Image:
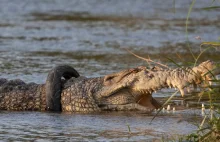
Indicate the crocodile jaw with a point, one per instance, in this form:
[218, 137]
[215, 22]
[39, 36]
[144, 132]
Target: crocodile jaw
[180, 78]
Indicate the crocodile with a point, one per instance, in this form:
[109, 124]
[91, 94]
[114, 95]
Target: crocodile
[18, 95]
[65, 90]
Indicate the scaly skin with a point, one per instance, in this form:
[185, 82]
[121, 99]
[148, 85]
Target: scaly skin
[130, 89]
[127, 90]
[16, 95]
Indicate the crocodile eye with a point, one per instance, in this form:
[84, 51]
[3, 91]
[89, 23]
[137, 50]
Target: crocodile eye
[109, 78]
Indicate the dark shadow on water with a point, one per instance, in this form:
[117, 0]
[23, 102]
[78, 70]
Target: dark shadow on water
[129, 20]
[73, 16]
[178, 52]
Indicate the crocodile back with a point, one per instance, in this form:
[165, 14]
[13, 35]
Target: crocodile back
[17, 95]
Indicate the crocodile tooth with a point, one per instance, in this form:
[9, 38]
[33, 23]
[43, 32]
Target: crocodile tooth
[188, 89]
[203, 106]
[168, 108]
[182, 92]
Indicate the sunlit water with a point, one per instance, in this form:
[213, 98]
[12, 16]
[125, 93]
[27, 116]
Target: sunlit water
[92, 37]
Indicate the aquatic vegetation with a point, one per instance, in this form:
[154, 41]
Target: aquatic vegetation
[209, 128]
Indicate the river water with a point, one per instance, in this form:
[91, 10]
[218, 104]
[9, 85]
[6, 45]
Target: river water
[93, 36]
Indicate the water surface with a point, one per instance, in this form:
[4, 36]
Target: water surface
[40, 126]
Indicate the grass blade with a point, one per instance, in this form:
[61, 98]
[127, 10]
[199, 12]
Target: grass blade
[167, 101]
[187, 22]
[211, 8]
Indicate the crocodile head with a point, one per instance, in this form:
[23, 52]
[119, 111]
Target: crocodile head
[137, 85]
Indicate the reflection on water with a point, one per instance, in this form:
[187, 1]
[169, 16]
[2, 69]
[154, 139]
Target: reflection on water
[92, 37]
[42, 126]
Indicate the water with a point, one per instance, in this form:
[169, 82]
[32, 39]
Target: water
[40, 126]
[92, 37]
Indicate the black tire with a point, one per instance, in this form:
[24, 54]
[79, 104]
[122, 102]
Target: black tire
[54, 85]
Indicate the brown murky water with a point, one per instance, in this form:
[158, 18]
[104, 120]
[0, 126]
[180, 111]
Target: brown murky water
[92, 37]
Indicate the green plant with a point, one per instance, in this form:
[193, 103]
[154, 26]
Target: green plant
[211, 131]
